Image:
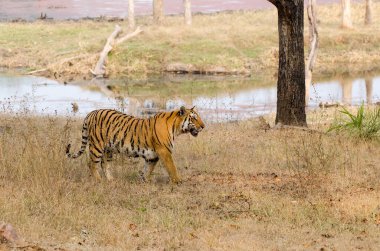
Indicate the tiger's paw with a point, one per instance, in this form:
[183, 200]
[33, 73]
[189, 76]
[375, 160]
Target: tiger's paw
[177, 180]
[142, 177]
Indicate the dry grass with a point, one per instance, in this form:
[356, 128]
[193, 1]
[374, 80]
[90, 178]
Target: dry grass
[274, 190]
[237, 41]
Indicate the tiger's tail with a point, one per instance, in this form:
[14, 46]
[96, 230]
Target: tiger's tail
[84, 143]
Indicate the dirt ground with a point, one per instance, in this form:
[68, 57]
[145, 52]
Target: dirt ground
[245, 188]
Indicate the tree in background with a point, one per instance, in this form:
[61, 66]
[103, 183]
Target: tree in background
[131, 14]
[346, 14]
[368, 12]
[158, 11]
[187, 6]
[291, 67]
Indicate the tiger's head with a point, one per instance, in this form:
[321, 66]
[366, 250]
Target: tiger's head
[191, 121]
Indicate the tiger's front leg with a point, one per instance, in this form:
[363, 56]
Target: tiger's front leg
[167, 158]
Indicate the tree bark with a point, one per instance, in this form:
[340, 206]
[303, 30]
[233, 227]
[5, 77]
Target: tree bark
[368, 12]
[187, 6]
[313, 33]
[346, 14]
[291, 67]
[131, 14]
[158, 11]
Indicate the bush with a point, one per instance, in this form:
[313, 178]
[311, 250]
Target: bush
[365, 124]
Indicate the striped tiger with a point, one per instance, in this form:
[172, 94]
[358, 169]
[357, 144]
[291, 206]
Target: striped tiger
[110, 131]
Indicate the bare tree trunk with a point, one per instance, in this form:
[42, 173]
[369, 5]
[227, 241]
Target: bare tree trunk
[346, 14]
[313, 32]
[187, 5]
[368, 12]
[291, 68]
[131, 14]
[158, 11]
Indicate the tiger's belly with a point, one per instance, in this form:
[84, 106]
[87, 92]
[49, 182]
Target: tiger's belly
[147, 154]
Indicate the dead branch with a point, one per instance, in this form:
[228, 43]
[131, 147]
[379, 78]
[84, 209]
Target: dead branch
[100, 68]
[128, 36]
[311, 14]
[37, 71]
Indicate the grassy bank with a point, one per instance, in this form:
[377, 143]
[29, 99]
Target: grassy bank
[276, 189]
[242, 41]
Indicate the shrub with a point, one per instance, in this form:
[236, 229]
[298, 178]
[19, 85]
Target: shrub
[365, 124]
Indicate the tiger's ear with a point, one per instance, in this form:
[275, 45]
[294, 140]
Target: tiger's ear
[182, 110]
[193, 108]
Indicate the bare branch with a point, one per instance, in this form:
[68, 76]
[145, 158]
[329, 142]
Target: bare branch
[311, 14]
[314, 34]
[129, 35]
[100, 68]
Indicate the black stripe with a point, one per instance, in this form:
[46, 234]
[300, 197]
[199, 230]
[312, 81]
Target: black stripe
[110, 123]
[109, 114]
[98, 151]
[117, 130]
[170, 115]
[96, 135]
[168, 148]
[126, 126]
[138, 121]
[155, 131]
[96, 145]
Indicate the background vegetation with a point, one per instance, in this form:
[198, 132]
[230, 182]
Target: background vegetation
[245, 41]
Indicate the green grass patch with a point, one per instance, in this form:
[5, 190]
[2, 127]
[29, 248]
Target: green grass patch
[364, 124]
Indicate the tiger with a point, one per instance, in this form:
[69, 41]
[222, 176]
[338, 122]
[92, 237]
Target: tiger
[108, 131]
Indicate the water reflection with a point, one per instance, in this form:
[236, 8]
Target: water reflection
[239, 100]
[346, 91]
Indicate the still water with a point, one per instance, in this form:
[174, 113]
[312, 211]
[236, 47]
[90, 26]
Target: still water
[74, 9]
[218, 100]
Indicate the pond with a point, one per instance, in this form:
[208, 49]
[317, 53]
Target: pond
[74, 9]
[217, 98]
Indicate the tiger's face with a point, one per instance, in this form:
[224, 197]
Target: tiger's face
[192, 122]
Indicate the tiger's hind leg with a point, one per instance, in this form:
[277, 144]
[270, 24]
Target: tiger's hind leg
[94, 164]
[148, 169]
[107, 157]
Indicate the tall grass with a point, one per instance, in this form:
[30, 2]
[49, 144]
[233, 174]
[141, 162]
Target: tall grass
[364, 124]
[244, 188]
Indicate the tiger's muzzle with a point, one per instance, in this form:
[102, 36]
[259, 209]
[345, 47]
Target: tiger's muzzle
[194, 131]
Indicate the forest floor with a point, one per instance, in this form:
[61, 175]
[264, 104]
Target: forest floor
[245, 188]
[242, 42]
